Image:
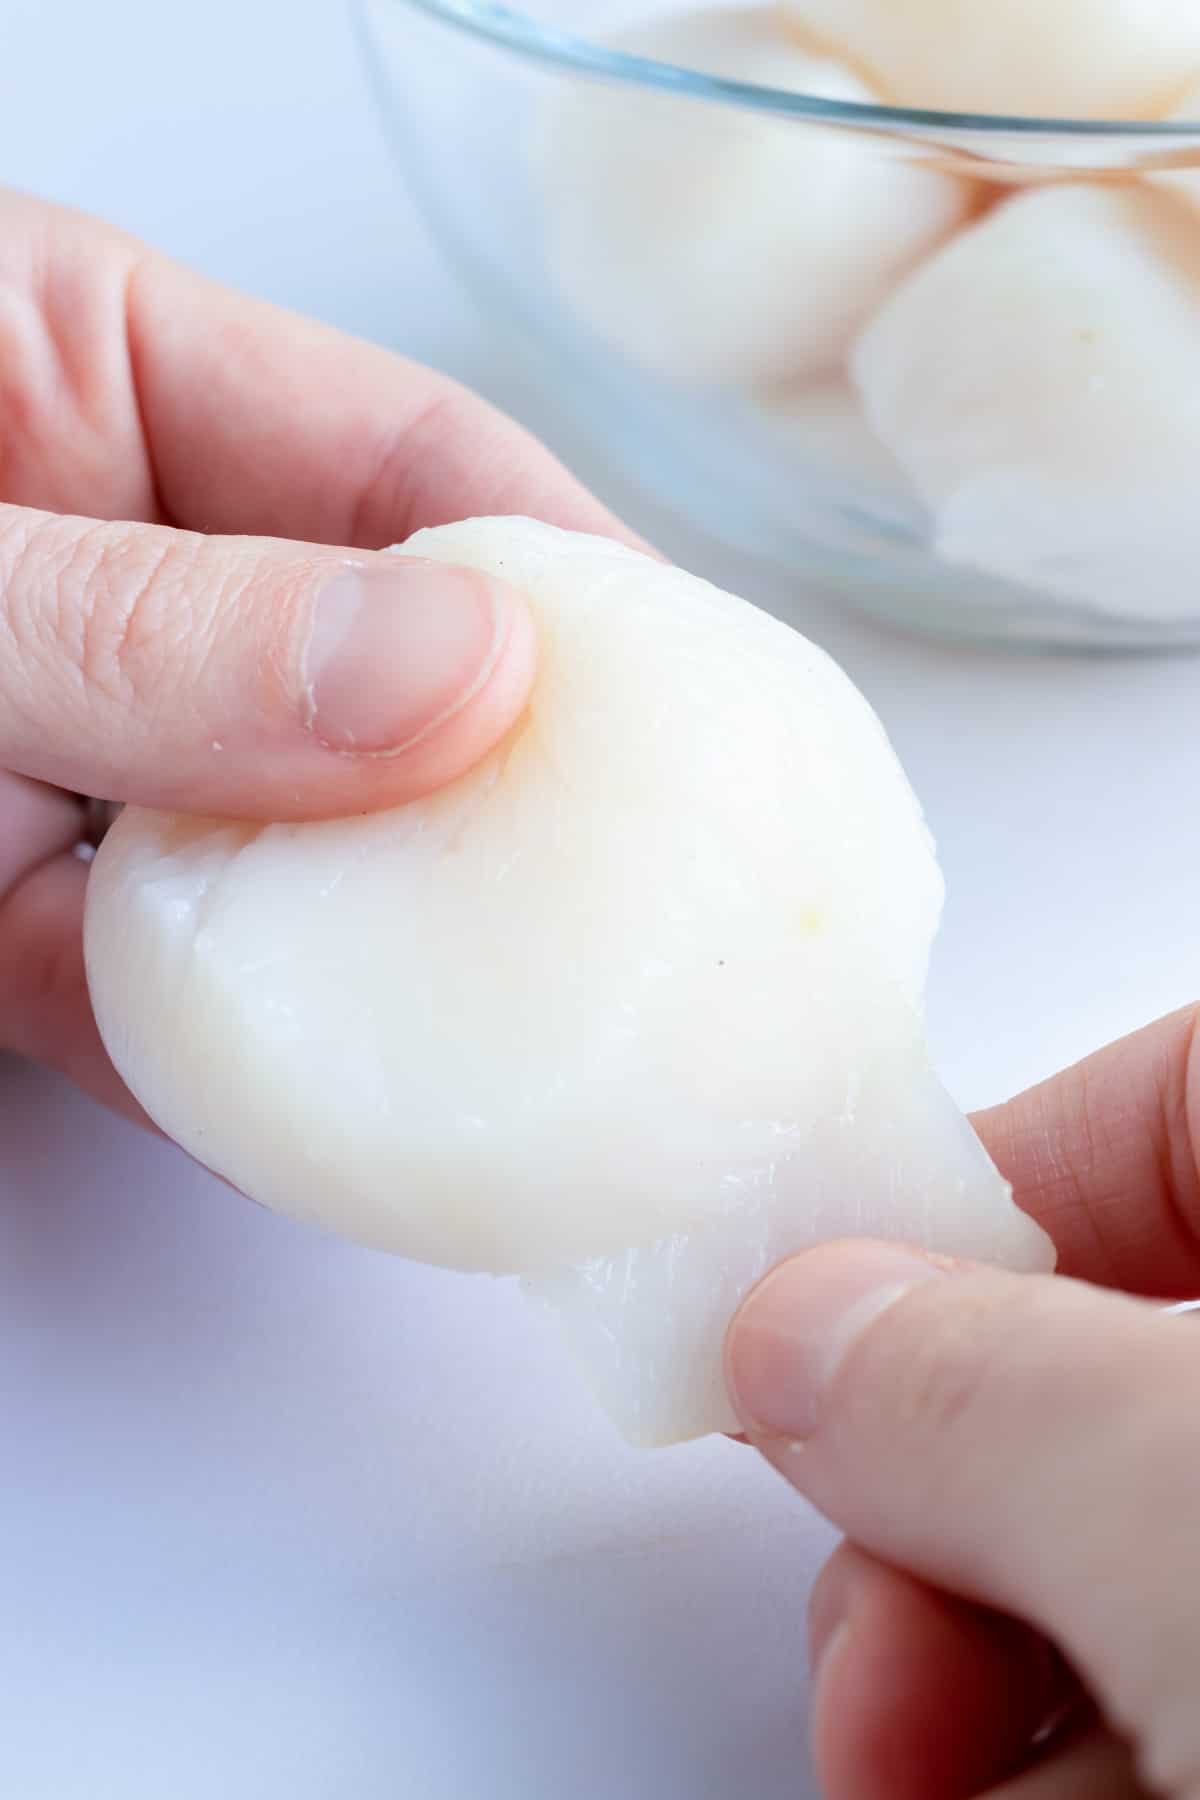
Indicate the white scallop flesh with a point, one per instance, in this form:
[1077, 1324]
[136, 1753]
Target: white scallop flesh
[632, 1009]
[716, 246]
[1037, 381]
[1088, 59]
[1185, 183]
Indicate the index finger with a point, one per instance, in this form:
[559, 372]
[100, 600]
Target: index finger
[260, 421]
[137, 389]
[1104, 1157]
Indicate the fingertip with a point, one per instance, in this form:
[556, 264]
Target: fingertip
[399, 648]
[916, 1695]
[46, 1014]
[793, 1330]
[1104, 1157]
[254, 678]
[487, 711]
[829, 1604]
[498, 698]
[406, 679]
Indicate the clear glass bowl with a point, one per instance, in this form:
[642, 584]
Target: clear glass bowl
[1007, 457]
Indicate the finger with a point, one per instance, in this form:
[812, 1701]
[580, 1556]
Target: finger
[36, 823]
[45, 1013]
[1104, 1156]
[258, 420]
[1094, 1766]
[917, 1696]
[71, 436]
[247, 676]
[133, 388]
[1027, 1443]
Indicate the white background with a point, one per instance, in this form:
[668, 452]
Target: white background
[283, 1520]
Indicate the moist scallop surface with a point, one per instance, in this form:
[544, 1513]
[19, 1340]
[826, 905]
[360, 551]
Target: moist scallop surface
[631, 1009]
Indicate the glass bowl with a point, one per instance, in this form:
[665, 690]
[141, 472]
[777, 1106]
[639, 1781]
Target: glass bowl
[947, 365]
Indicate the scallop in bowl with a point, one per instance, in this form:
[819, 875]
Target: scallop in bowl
[902, 296]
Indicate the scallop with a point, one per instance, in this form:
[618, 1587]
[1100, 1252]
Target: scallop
[716, 245]
[1036, 381]
[1091, 59]
[631, 1010]
[1185, 183]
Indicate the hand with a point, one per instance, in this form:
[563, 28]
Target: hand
[1015, 1461]
[223, 673]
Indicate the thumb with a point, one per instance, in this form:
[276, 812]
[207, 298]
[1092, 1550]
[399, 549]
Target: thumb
[247, 676]
[1027, 1443]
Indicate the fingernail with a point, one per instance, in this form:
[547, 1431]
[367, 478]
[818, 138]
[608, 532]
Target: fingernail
[793, 1332]
[397, 648]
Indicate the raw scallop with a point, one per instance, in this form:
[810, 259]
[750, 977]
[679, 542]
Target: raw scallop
[632, 1009]
[1185, 184]
[1036, 379]
[1090, 59]
[713, 245]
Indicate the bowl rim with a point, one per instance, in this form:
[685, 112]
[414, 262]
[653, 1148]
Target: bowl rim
[519, 32]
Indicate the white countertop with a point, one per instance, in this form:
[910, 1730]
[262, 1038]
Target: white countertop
[285, 1520]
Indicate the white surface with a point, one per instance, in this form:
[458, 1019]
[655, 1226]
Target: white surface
[288, 1521]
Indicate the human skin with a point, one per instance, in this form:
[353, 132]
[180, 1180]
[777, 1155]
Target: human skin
[1013, 1461]
[185, 476]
